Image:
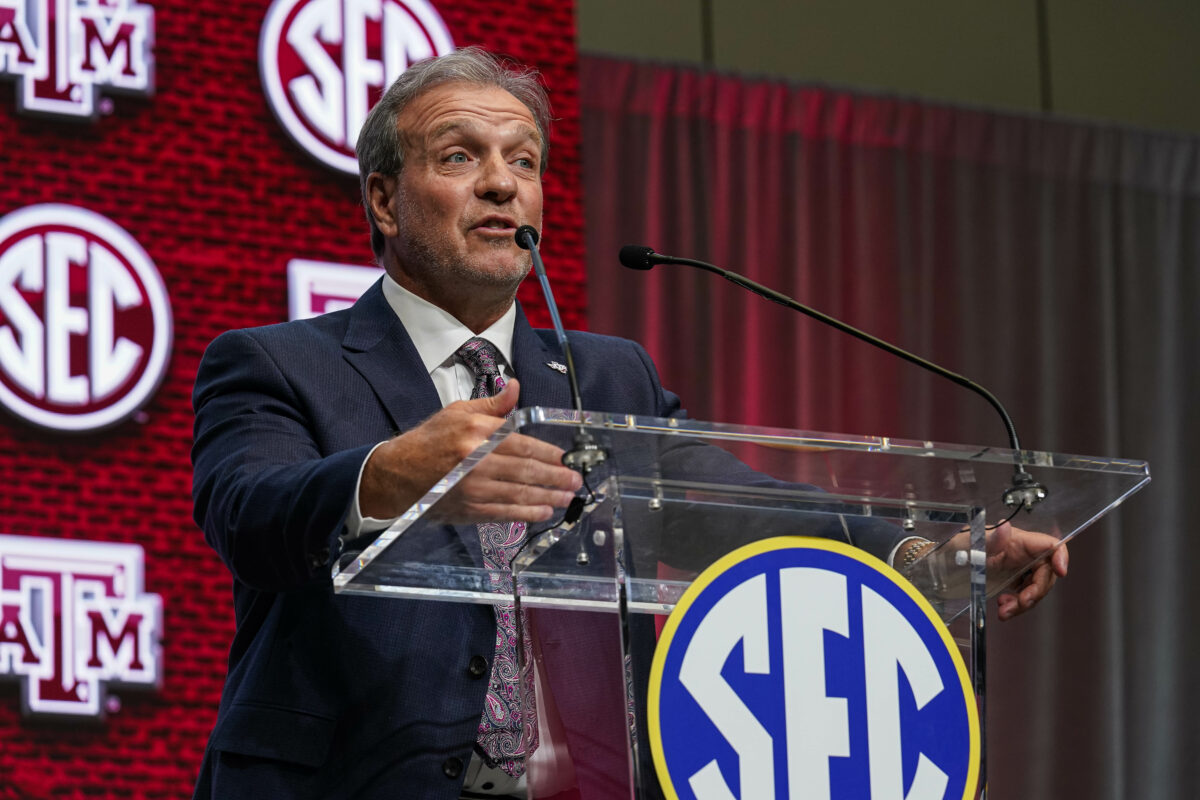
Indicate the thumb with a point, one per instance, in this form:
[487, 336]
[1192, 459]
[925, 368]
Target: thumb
[997, 545]
[998, 540]
[498, 405]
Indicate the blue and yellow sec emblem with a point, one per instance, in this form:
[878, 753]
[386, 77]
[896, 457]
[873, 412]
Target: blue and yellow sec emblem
[805, 668]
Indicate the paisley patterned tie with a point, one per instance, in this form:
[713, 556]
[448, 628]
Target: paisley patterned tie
[501, 727]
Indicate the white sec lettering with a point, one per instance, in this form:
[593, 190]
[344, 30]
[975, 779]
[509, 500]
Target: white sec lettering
[404, 43]
[25, 361]
[891, 643]
[319, 96]
[110, 288]
[63, 319]
[362, 74]
[739, 616]
[812, 601]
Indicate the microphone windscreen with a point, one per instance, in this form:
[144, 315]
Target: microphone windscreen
[526, 236]
[636, 256]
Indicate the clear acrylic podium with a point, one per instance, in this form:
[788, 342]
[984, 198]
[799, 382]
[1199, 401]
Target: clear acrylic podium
[673, 496]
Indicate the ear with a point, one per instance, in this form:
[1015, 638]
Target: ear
[380, 191]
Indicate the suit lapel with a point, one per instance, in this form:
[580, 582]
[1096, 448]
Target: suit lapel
[377, 345]
[380, 349]
[541, 385]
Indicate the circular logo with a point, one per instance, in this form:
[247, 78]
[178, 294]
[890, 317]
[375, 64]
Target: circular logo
[85, 323]
[797, 667]
[325, 63]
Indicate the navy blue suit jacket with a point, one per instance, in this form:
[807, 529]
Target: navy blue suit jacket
[331, 696]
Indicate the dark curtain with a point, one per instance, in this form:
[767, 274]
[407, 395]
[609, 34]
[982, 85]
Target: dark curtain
[1055, 262]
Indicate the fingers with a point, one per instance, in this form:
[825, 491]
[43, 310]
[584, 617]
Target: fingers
[522, 480]
[404, 468]
[484, 499]
[1036, 586]
[1007, 607]
[1009, 547]
[481, 498]
[1060, 560]
[1028, 594]
[522, 471]
[519, 445]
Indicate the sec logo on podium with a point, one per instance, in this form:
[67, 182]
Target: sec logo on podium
[805, 668]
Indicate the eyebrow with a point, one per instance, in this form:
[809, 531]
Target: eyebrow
[454, 126]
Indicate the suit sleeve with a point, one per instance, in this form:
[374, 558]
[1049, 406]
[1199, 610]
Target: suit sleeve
[705, 463]
[269, 502]
[666, 402]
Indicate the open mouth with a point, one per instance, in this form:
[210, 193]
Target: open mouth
[497, 225]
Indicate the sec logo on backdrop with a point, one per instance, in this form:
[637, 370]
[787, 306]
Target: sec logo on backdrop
[85, 323]
[805, 668]
[324, 62]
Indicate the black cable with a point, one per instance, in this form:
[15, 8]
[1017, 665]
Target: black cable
[571, 514]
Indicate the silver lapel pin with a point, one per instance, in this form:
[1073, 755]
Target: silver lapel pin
[554, 365]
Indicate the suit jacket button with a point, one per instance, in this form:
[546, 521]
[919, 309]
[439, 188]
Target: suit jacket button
[452, 767]
[478, 667]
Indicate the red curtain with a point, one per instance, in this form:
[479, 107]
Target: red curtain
[923, 225]
[1055, 262]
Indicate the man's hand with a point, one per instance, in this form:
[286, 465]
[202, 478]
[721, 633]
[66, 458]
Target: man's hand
[522, 480]
[1011, 548]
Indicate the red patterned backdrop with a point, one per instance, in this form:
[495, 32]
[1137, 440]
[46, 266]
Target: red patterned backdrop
[207, 181]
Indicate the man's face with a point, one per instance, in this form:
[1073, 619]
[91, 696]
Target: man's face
[471, 177]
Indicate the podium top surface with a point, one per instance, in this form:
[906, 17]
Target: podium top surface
[699, 471]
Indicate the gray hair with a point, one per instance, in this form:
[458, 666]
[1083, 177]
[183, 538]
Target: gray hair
[379, 146]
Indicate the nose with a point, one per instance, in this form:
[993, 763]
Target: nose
[496, 181]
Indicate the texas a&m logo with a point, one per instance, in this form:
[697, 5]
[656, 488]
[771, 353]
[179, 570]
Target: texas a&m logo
[74, 621]
[85, 323]
[318, 287]
[62, 51]
[324, 63]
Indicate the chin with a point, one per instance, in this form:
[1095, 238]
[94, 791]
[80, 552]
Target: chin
[494, 278]
[499, 271]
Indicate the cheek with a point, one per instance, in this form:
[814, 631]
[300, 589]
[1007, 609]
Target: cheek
[444, 208]
[431, 199]
[533, 201]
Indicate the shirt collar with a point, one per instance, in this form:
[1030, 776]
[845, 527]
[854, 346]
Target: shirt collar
[436, 334]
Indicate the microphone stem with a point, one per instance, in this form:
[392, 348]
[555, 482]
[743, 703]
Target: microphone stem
[784, 300]
[585, 455]
[540, 268]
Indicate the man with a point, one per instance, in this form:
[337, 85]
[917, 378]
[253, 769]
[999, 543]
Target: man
[313, 433]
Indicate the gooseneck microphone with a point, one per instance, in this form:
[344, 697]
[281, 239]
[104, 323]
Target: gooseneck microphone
[585, 454]
[1024, 492]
